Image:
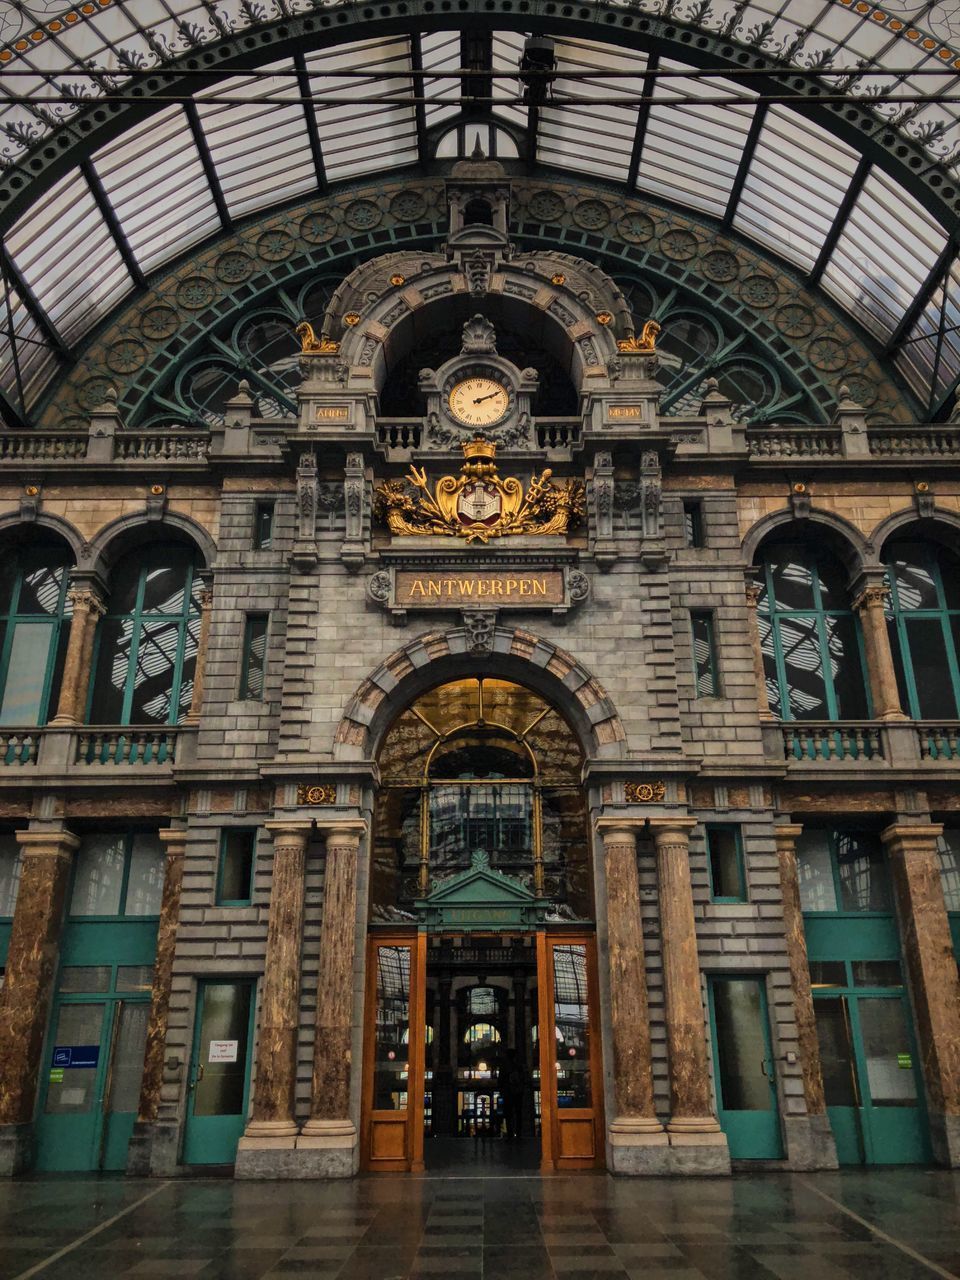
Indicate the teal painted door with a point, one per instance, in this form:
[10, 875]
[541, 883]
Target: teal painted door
[92, 1086]
[871, 1080]
[744, 1068]
[219, 1072]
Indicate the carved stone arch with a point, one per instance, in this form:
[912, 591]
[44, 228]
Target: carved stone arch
[940, 526]
[516, 654]
[840, 536]
[13, 522]
[377, 332]
[120, 535]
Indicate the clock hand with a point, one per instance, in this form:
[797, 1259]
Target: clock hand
[489, 396]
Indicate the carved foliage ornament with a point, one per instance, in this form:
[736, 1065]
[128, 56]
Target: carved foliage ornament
[477, 505]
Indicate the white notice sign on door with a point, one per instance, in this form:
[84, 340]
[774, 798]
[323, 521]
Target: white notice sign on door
[223, 1050]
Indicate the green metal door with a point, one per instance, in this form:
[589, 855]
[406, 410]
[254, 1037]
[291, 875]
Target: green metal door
[219, 1072]
[744, 1068]
[871, 1079]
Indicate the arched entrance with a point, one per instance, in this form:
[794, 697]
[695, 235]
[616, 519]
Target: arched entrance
[481, 932]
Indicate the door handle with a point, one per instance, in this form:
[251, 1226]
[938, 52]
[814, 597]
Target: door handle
[763, 1068]
[197, 1077]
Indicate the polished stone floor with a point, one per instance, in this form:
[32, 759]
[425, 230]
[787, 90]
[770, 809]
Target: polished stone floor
[879, 1225]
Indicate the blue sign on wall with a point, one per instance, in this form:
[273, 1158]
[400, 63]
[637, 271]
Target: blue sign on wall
[76, 1055]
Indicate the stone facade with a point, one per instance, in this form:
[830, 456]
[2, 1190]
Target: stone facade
[663, 758]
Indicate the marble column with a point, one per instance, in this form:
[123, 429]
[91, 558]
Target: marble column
[196, 697]
[692, 1120]
[330, 1131]
[175, 841]
[28, 983]
[932, 973]
[753, 592]
[870, 604]
[88, 609]
[810, 1142]
[272, 1124]
[635, 1124]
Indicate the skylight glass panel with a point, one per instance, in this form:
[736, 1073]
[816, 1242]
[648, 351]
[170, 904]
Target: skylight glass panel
[156, 184]
[691, 153]
[507, 52]
[440, 52]
[35, 358]
[795, 185]
[259, 149]
[68, 257]
[885, 252]
[917, 358]
[577, 132]
[369, 136]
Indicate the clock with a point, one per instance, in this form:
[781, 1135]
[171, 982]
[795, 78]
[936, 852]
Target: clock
[478, 401]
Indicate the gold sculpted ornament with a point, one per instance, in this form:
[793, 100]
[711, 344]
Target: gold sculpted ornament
[311, 345]
[477, 505]
[644, 792]
[316, 794]
[646, 342]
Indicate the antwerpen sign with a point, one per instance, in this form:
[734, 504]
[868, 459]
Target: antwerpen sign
[446, 589]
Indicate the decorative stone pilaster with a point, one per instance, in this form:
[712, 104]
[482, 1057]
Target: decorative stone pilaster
[932, 973]
[810, 1143]
[753, 591]
[139, 1160]
[330, 1133]
[693, 1128]
[272, 1125]
[199, 671]
[28, 984]
[88, 609]
[870, 605]
[636, 1137]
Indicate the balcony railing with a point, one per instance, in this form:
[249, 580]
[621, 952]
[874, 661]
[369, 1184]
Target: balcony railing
[170, 446]
[21, 746]
[42, 446]
[824, 740]
[400, 434]
[799, 442]
[126, 746]
[939, 741]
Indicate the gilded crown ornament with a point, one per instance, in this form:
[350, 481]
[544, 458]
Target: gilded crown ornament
[477, 505]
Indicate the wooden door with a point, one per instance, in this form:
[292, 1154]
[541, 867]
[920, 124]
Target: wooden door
[393, 1073]
[571, 1089]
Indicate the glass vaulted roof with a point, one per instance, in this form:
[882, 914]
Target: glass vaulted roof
[717, 142]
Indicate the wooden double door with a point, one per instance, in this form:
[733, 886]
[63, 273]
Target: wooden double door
[562, 1052]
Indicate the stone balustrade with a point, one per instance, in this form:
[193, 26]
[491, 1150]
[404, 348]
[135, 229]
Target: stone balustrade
[939, 741]
[42, 446]
[832, 740]
[400, 433]
[558, 433]
[795, 442]
[126, 746]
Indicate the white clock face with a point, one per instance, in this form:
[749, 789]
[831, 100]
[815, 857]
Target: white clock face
[478, 402]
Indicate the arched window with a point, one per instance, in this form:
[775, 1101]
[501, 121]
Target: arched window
[34, 628]
[147, 643]
[923, 618]
[810, 639]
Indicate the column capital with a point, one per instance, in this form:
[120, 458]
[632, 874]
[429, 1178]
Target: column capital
[175, 840]
[872, 595]
[53, 843]
[679, 828]
[288, 830]
[786, 834]
[906, 834]
[616, 830]
[86, 597]
[347, 832]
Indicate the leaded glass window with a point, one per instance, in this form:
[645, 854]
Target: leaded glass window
[34, 629]
[147, 643]
[842, 871]
[809, 637]
[923, 618]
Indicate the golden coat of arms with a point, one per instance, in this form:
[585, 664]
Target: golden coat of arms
[477, 505]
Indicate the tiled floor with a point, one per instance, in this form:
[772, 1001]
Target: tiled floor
[760, 1227]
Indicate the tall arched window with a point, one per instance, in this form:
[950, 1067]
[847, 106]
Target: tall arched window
[923, 617]
[147, 643]
[34, 628]
[811, 643]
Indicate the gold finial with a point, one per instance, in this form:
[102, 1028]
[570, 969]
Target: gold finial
[645, 343]
[311, 345]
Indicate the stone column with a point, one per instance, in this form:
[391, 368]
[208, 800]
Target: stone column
[869, 604]
[175, 841]
[753, 592]
[635, 1126]
[693, 1123]
[88, 609]
[272, 1124]
[330, 1131]
[196, 697]
[932, 973]
[815, 1148]
[28, 984]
